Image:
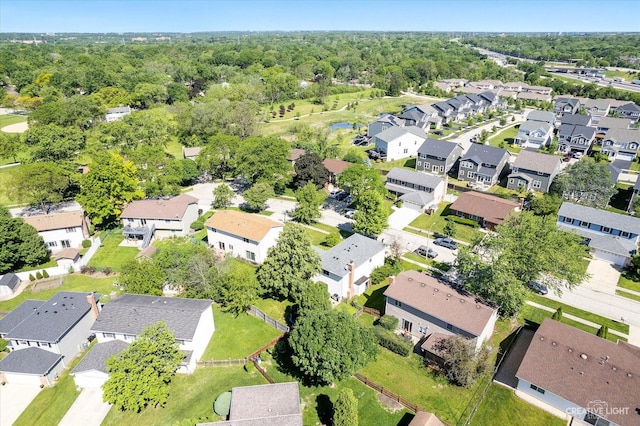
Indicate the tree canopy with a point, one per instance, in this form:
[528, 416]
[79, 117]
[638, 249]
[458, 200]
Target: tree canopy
[142, 277]
[345, 409]
[585, 182]
[20, 244]
[41, 183]
[309, 202]
[359, 178]
[309, 168]
[372, 217]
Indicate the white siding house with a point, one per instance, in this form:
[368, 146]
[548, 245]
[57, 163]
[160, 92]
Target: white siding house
[399, 142]
[60, 230]
[245, 235]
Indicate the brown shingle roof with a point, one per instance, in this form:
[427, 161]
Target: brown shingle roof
[295, 153]
[335, 166]
[433, 343]
[423, 418]
[426, 294]
[536, 161]
[68, 253]
[53, 221]
[489, 207]
[581, 367]
[173, 208]
[245, 225]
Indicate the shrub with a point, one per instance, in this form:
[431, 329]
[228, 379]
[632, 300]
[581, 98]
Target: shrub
[392, 341]
[603, 332]
[86, 243]
[3, 345]
[83, 269]
[45, 274]
[388, 322]
[197, 225]
[107, 270]
[557, 315]
[31, 277]
[38, 275]
[463, 221]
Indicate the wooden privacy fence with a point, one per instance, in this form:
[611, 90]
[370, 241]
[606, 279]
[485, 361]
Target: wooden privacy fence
[256, 312]
[408, 404]
[222, 362]
[269, 345]
[366, 310]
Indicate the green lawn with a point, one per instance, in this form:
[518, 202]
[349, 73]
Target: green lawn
[374, 296]
[404, 163]
[237, 336]
[9, 119]
[274, 308]
[74, 282]
[52, 403]
[191, 397]
[501, 406]
[611, 324]
[504, 139]
[426, 261]
[628, 295]
[174, 148]
[628, 282]
[436, 223]
[110, 254]
[48, 264]
[317, 238]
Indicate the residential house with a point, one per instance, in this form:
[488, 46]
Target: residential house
[575, 139]
[190, 153]
[486, 209]
[611, 236]
[115, 114]
[422, 116]
[294, 154]
[245, 235]
[478, 104]
[468, 90]
[486, 84]
[60, 230]
[534, 96]
[190, 321]
[542, 117]
[494, 102]
[399, 142]
[417, 190]
[437, 156]
[580, 374]
[383, 123]
[543, 90]
[146, 219]
[335, 168]
[445, 110]
[9, 284]
[483, 164]
[533, 171]
[44, 336]
[630, 110]
[621, 144]
[607, 123]
[347, 266]
[562, 106]
[515, 86]
[268, 405]
[91, 371]
[67, 257]
[576, 120]
[425, 305]
[597, 108]
[534, 135]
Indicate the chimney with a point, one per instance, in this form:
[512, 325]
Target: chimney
[352, 272]
[94, 305]
[392, 279]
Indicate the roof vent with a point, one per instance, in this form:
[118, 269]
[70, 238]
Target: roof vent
[423, 285]
[629, 375]
[436, 290]
[582, 373]
[614, 368]
[570, 350]
[583, 356]
[409, 279]
[448, 294]
[541, 338]
[461, 300]
[553, 343]
[477, 306]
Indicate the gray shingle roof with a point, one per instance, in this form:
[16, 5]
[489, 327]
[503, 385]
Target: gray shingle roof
[54, 318]
[30, 361]
[571, 131]
[610, 243]
[486, 154]
[600, 217]
[98, 355]
[412, 114]
[530, 160]
[356, 248]
[614, 123]
[574, 119]
[392, 133]
[19, 314]
[263, 401]
[544, 116]
[567, 101]
[535, 125]
[417, 178]
[437, 148]
[629, 107]
[131, 313]
[417, 197]
[10, 280]
[623, 135]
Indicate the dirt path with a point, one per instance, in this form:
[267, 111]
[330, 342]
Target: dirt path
[16, 128]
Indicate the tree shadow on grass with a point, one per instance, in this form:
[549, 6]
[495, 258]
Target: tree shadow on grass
[375, 300]
[406, 419]
[324, 407]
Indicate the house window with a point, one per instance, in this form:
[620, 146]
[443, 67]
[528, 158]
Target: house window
[325, 272]
[625, 234]
[536, 388]
[71, 229]
[52, 243]
[246, 240]
[251, 255]
[537, 184]
[584, 224]
[450, 327]
[567, 220]
[420, 163]
[129, 337]
[143, 222]
[109, 335]
[230, 247]
[606, 230]
[407, 325]
[221, 245]
[405, 151]
[130, 220]
[397, 303]
[65, 243]
[511, 180]
[422, 330]
[461, 172]
[427, 166]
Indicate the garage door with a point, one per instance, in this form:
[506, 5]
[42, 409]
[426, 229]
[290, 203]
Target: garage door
[23, 379]
[89, 380]
[412, 206]
[625, 157]
[609, 257]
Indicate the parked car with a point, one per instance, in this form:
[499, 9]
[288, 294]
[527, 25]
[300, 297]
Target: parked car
[446, 243]
[425, 251]
[536, 287]
[349, 214]
[438, 132]
[341, 196]
[566, 159]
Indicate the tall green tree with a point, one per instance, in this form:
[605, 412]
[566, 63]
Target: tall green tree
[142, 277]
[314, 297]
[328, 346]
[585, 182]
[345, 409]
[309, 202]
[222, 196]
[216, 157]
[309, 168]
[359, 178]
[54, 143]
[188, 268]
[10, 145]
[20, 244]
[256, 196]
[290, 264]
[461, 361]
[140, 375]
[263, 159]
[110, 183]
[41, 183]
[237, 289]
[373, 216]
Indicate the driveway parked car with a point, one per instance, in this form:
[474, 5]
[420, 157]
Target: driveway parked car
[341, 196]
[425, 251]
[536, 287]
[446, 243]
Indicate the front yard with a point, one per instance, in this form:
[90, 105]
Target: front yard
[435, 223]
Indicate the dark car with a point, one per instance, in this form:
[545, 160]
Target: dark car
[438, 132]
[536, 287]
[425, 251]
[341, 196]
[446, 243]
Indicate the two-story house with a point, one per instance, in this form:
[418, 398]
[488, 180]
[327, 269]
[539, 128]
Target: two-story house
[621, 144]
[611, 236]
[607, 123]
[575, 139]
[437, 156]
[146, 219]
[428, 308]
[597, 108]
[383, 123]
[417, 190]
[60, 230]
[562, 106]
[542, 90]
[534, 135]
[533, 171]
[347, 266]
[515, 86]
[486, 84]
[399, 142]
[486, 209]
[245, 235]
[422, 116]
[542, 117]
[576, 120]
[190, 321]
[630, 111]
[484, 165]
[44, 336]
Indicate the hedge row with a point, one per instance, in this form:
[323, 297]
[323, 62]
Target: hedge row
[393, 342]
[463, 221]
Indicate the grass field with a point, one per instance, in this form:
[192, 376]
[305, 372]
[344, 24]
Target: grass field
[628, 295]
[110, 254]
[626, 281]
[436, 223]
[505, 138]
[7, 120]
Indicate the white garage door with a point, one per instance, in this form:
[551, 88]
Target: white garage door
[412, 206]
[609, 257]
[86, 380]
[625, 157]
[23, 379]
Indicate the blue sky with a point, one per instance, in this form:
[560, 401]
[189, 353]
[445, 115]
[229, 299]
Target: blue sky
[371, 15]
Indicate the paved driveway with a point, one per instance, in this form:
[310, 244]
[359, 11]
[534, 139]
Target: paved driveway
[604, 276]
[87, 410]
[14, 398]
[402, 217]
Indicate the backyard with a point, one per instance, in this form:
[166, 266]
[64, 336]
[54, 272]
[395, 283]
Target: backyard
[505, 139]
[111, 254]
